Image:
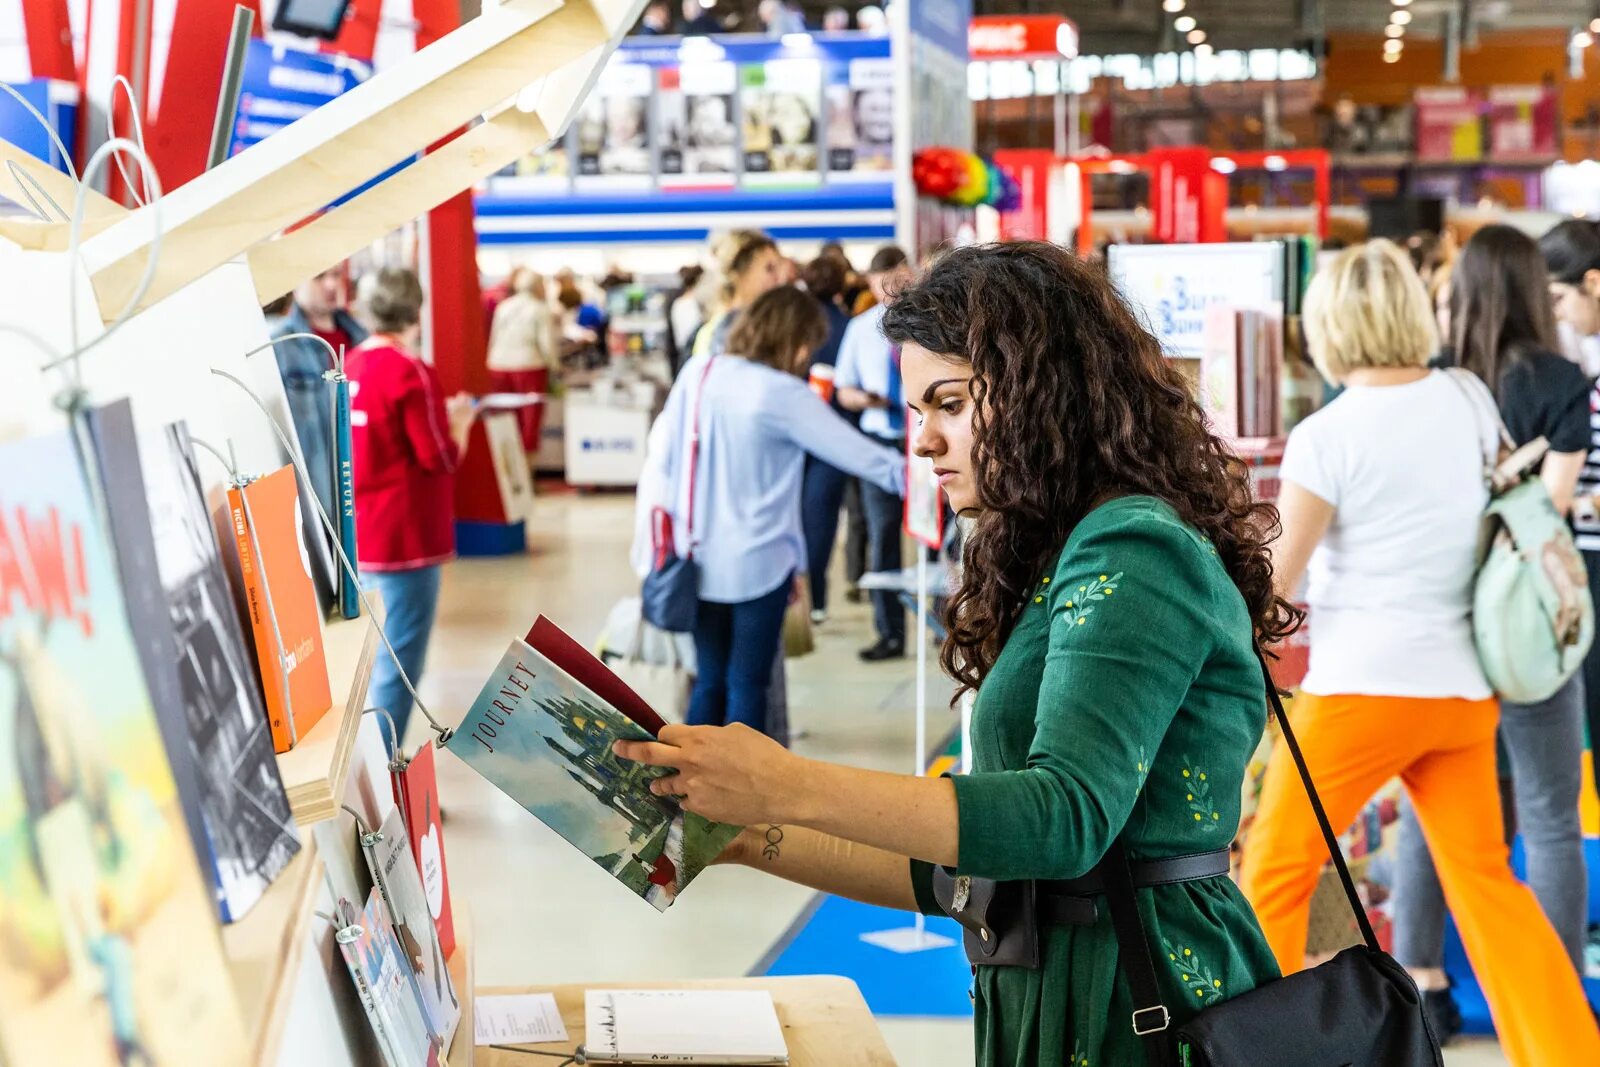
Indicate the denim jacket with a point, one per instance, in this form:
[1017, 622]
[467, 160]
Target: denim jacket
[302, 363]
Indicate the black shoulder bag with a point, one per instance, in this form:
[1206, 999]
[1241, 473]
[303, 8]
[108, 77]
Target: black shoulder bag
[1360, 1008]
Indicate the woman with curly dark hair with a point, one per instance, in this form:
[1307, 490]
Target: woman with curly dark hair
[1117, 582]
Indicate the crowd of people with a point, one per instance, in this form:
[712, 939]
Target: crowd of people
[1117, 571]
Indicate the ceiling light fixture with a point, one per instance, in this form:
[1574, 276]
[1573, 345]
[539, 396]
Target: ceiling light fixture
[1594, 25]
[1197, 37]
[1184, 23]
[1391, 57]
[1582, 39]
[1400, 18]
[1203, 51]
[1393, 47]
[1401, 3]
[1392, 30]
[1172, 7]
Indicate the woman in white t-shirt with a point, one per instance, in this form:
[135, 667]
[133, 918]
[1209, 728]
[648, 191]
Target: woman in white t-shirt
[1382, 491]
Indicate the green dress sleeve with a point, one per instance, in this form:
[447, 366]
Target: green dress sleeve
[1130, 628]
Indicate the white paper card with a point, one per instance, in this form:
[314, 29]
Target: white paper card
[520, 1019]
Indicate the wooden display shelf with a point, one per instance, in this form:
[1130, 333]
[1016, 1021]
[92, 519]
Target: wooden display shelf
[461, 975]
[314, 770]
[265, 948]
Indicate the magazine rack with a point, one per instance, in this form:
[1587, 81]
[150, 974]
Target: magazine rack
[247, 231]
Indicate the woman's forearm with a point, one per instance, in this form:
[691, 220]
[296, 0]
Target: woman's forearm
[830, 865]
[896, 813]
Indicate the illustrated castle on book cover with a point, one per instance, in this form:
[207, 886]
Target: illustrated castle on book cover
[546, 741]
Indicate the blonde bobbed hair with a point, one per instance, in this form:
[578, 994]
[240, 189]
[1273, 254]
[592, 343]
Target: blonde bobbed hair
[1368, 308]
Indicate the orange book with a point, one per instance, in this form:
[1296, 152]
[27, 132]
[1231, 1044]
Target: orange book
[275, 518]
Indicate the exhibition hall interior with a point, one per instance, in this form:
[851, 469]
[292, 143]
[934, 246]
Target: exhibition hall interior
[1016, 533]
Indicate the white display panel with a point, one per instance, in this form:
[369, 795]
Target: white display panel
[1171, 286]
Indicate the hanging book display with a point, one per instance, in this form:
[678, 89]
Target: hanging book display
[394, 874]
[282, 605]
[196, 663]
[388, 988]
[417, 793]
[108, 952]
[542, 731]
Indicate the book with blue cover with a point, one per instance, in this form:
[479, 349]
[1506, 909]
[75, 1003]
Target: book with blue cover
[544, 737]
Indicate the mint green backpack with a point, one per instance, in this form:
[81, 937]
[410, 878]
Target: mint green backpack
[1532, 615]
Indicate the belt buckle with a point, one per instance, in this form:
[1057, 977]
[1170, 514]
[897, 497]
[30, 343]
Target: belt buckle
[1160, 1010]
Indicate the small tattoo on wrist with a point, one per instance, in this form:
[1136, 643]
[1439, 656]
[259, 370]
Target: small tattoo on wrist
[772, 842]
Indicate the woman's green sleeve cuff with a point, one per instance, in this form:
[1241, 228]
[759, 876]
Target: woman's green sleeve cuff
[922, 886]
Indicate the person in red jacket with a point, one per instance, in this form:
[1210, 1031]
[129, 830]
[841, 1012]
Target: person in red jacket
[407, 442]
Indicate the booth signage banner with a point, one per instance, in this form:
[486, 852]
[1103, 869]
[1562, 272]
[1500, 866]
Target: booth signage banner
[1173, 285]
[282, 84]
[992, 37]
[1449, 125]
[1523, 122]
[724, 115]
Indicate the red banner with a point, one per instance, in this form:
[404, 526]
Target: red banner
[1022, 37]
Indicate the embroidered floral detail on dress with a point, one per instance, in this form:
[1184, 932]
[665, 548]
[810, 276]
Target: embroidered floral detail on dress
[1080, 606]
[1197, 791]
[1196, 975]
[1079, 1057]
[1141, 771]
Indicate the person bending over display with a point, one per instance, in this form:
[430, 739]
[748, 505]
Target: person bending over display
[1117, 581]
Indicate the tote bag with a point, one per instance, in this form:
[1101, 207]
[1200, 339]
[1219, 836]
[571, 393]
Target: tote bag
[671, 591]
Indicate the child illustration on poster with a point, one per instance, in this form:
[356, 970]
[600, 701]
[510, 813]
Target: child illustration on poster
[108, 950]
[613, 129]
[695, 114]
[782, 102]
[860, 97]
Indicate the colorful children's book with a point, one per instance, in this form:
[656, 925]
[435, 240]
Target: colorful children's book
[417, 794]
[388, 987]
[288, 633]
[109, 948]
[194, 657]
[544, 737]
[395, 875]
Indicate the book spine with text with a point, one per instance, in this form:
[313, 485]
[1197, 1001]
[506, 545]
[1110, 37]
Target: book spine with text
[344, 480]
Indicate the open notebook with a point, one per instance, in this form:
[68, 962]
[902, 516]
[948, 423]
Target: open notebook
[682, 1026]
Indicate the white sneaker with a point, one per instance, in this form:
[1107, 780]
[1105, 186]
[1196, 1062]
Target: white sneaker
[818, 617]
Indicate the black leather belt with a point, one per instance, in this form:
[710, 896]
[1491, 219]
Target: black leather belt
[1073, 902]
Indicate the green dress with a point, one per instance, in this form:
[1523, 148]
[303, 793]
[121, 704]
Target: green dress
[1128, 695]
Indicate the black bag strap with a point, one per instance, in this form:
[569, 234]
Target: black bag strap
[1151, 1018]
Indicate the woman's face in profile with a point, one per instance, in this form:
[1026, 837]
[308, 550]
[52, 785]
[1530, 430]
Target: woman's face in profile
[938, 391]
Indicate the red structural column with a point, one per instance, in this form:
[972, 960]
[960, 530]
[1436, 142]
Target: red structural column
[48, 31]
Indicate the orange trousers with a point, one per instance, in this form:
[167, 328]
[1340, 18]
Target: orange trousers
[1444, 753]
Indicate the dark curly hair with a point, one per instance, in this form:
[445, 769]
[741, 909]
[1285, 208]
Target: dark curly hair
[1073, 404]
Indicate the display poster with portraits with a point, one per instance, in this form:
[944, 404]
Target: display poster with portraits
[611, 135]
[781, 101]
[860, 109]
[697, 120]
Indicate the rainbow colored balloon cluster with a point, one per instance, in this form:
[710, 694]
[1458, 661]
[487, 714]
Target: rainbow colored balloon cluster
[960, 177]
